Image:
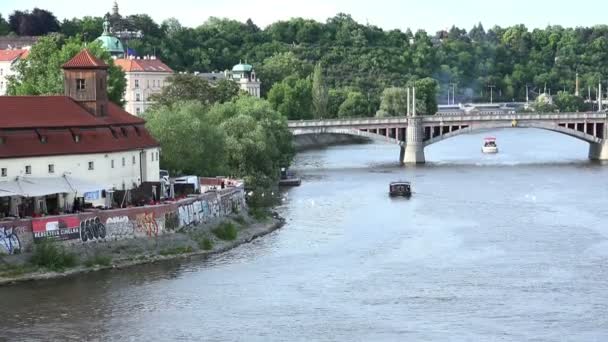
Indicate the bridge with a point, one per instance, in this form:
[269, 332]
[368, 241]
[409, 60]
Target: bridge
[414, 133]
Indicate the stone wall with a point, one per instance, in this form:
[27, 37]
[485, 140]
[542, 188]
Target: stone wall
[110, 225]
[313, 141]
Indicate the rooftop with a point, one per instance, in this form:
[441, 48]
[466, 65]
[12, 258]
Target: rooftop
[10, 55]
[142, 65]
[85, 60]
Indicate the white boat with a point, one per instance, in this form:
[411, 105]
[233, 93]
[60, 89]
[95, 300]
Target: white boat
[489, 145]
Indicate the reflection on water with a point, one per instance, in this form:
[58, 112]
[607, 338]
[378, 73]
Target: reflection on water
[511, 247]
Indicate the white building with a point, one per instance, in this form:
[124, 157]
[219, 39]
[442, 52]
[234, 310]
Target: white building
[8, 59]
[244, 76]
[145, 77]
[82, 135]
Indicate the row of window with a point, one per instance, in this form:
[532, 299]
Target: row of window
[155, 83]
[91, 165]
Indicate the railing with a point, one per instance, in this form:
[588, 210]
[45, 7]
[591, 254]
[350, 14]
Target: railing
[448, 118]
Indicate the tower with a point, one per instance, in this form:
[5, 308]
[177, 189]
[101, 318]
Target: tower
[85, 80]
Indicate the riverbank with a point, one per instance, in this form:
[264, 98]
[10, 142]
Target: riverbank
[316, 141]
[217, 236]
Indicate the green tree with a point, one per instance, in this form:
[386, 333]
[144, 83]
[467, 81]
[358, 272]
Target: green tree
[354, 106]
[320, 96]
[4, 27]
[426, 96]
[41, 73]
[394, 102]
[189, 87]
[279, 66]
[292, 98]
[335, 98]
[190, 144]
[567, 102]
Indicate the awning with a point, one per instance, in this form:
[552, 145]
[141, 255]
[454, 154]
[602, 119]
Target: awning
[42, 186]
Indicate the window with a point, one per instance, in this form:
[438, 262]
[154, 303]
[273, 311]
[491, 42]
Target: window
[112, 163]
[51, 168]
[133, 160]
[136, 83]
[76, 137]
[137, 97]
[80, 84]
[28, 169]
[103, 109]
[1, 72]
[4, 172]
[137, 110]
[91, 165]
[157, 156]
[1, 85]
[123, 161]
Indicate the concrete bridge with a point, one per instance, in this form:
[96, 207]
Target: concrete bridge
[414, 133]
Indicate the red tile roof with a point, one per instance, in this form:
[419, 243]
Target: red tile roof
[11, 55]
[24, 118]
[85, 60]
[142, 65]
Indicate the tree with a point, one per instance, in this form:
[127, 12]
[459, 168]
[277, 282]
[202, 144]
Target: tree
[354, 106]
[37, 23]
[258, 142]
[190, 144]
[335, 99]
[394, 102]
[41, 73]
[426, 96]
[280, 66]
[292, 97]
[189, 87]
[320, 96]
[4, 26]
[567, 102]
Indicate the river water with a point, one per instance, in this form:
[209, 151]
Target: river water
[506, 247]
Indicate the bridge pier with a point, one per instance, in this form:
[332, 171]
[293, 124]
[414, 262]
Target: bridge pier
[414, 145]
[599, 151]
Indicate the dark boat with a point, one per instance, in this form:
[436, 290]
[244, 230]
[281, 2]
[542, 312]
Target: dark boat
[400, 189]
[288, 179]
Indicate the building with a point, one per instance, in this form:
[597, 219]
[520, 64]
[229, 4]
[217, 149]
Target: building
[17, 42]
[244, 76]
[81, 135]
[111, 43]
[145, 77]
[8, 59]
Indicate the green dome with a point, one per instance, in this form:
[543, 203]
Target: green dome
[110, 43]
[242, 68]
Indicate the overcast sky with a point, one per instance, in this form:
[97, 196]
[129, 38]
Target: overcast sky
[431, 15]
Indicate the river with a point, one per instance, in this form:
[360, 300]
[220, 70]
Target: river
[509, 247]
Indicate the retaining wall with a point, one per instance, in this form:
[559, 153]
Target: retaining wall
[116, 224]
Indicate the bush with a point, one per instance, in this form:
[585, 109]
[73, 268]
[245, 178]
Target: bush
[100, 260]
[259, 214]
[48, 255]
[225, 231]
[206, 244]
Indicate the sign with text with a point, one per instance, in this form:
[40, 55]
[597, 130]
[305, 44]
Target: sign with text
[91, 196]
[56, 228]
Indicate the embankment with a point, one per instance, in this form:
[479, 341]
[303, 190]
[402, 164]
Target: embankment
[313, 141]
[119, 238]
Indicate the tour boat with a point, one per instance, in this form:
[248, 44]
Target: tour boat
[400, 189]
[489, 145]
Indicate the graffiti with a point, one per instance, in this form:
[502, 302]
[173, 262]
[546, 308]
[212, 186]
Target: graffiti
[147, 224]
[9, 241]
[92, 229]
[57, 228]
[171, 220]
[119, 227]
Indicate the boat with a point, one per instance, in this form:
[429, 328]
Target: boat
[489, 145]
[288, 178]
[400, 188]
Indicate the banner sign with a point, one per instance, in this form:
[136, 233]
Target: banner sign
[91, 196]
[56, 228]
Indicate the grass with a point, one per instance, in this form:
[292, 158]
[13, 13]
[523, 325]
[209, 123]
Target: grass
[100, 260]
[9, 271]
[176, 250]
[225, 231]
[240, 220]
[260, 213]
[52, 257]
[206, 244]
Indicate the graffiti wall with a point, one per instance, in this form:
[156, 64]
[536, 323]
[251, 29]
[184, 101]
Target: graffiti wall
[99, 226]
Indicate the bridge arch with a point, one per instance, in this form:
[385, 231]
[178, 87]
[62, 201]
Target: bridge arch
[347, 131]
[529, 124]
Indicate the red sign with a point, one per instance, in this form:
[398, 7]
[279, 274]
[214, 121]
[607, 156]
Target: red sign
[56, 228]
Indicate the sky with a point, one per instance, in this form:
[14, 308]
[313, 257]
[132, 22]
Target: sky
[430, 15]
